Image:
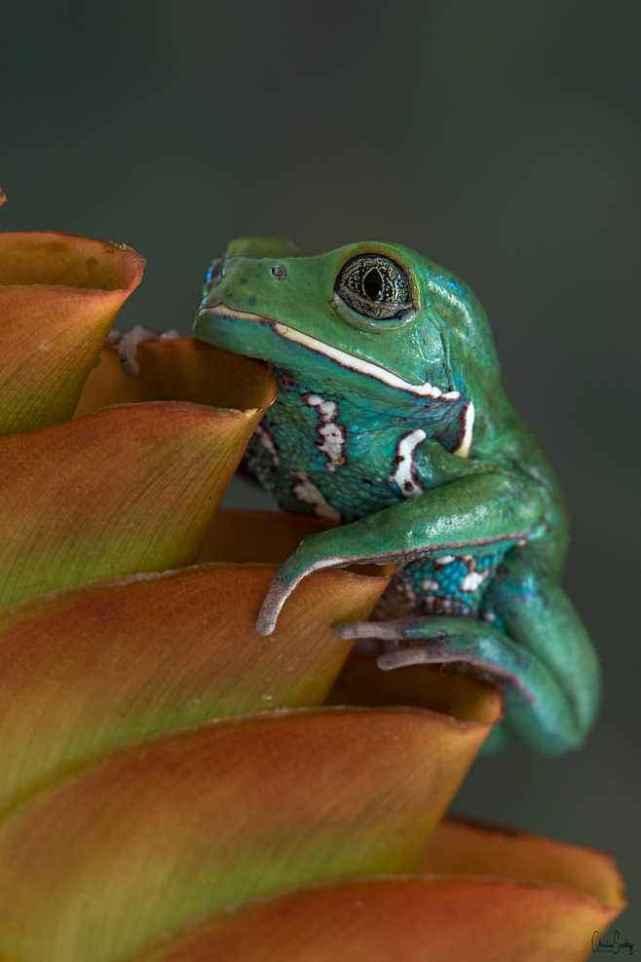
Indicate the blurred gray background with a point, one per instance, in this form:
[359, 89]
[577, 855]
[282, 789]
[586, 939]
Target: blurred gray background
[502, 138]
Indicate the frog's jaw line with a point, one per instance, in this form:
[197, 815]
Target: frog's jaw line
[353, 363]
[345, 360]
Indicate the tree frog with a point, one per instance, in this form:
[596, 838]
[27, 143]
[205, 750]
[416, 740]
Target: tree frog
[391, 421]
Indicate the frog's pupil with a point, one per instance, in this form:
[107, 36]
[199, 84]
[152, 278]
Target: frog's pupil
[373, 284]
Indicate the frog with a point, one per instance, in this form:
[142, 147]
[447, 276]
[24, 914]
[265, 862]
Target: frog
[392, 424]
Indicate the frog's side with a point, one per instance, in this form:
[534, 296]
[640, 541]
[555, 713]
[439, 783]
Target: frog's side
[392, 423]
[330, 456]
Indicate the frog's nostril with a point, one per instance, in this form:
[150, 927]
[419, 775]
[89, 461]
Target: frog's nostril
[279, 271]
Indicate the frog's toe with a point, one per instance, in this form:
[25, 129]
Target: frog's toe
[374, 630]
[423, 655]
[271, 607]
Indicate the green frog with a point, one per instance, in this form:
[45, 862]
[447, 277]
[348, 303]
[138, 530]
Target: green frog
[391, 423]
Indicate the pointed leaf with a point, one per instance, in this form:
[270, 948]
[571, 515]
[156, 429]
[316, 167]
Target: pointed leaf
[182, 369]
[59, 295]
[157, 837]
[87, 671]
[407, 920]
[131, 488]
[458, 846]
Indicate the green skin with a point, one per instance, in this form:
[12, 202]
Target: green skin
[471, 512]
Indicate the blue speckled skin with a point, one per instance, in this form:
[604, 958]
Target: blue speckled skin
[374, 430]
[288, 446]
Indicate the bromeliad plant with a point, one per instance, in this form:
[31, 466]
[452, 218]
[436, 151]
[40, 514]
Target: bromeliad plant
[175, 787]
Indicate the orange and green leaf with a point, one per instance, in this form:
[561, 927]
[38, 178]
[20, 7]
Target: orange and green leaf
[404, 920]
[59, 296]
[463, 847]
[158, 836]
[87, 671]
[129, 489]
[165, 797]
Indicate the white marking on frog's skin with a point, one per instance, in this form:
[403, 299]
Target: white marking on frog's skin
[267, 442]
[331, 434]
[445, 559]
[127, 343]
[308, 493]
[429, 585]
[465, 443]
[405, 474]
[473, 580]
[353, 363]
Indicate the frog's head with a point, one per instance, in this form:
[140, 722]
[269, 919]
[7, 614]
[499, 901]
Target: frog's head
[370, 319]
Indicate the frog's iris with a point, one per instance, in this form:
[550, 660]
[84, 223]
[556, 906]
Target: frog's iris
[375, 287]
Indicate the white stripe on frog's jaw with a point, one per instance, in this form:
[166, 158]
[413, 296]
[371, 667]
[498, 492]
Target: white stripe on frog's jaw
[345, 360]
[363, 367]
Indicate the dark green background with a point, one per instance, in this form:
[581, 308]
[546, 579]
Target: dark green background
[502, 138]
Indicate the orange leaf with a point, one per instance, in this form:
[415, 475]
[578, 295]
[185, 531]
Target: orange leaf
[158, 836]
[253, 536]
[129, 489]
[182, 369]
[87, 671]
[469, 848]
[59, 295]
[406, 920]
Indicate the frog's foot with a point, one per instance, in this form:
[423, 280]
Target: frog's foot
[536, 707]
[438, 640]
[126, 344]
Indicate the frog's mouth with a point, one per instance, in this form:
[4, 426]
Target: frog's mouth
[345, 360]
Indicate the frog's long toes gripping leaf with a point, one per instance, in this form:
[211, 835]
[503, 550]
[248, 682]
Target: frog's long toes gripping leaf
[112, 664]
[133, 489]
[272, 606]
[178, 368]
[463, 695]
[165, 833]
[289, 576]
[59, 295]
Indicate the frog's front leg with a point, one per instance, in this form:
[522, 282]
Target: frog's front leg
[479, 508]
[543, 659]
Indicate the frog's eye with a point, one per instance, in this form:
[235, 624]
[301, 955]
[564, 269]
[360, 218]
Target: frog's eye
[213, 275]
[377, 289]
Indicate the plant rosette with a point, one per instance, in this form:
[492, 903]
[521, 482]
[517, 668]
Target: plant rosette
[174, 786]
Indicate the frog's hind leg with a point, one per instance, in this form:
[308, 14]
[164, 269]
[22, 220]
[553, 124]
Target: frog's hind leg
[536, 649]
[534, 611]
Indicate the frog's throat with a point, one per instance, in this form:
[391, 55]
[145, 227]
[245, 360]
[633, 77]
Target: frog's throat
[348, 361]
